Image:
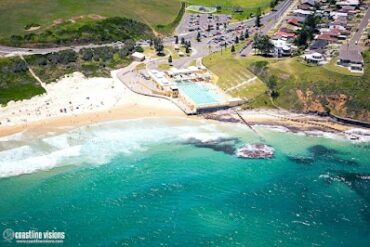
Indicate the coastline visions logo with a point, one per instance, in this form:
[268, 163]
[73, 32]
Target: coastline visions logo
[33, 237]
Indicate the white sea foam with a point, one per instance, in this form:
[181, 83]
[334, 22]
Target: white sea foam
[20, 152]
[204, 136]
[35, 163]
[358, 135]
[276, 128]
[319, 133]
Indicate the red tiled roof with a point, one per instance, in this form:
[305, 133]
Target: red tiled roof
[326, 37]
[293, 21]
[285, 34]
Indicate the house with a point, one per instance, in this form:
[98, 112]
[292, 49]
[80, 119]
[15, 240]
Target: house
[137, 56]
[301, 12]
[305, 6]
[309, 2]
[351, 58]
[340, 21]
[319, 45]
[354, 3]
[327, 37]
[294, 21]
[281, 48]
[314, 57]
[285, 33]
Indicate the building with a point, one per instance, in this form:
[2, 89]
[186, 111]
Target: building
[319, 45]
[281, 48]
[191, 89]
[314, 57]
[352, 59]
[137, 56]
[327, 37]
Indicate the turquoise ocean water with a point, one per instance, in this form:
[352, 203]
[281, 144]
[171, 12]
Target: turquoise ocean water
[176, 182]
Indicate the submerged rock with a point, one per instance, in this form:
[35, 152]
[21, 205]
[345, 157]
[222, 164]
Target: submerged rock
[255, 151]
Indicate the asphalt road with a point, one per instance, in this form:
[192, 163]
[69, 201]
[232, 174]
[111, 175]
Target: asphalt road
[361, 27]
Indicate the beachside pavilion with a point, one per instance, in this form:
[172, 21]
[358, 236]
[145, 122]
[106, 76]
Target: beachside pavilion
[193, 87]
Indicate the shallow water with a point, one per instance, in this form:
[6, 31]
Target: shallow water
[159, 182]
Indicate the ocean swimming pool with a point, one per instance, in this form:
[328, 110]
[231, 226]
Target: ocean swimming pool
[200, 94]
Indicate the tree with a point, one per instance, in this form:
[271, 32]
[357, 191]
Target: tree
[139, 48]
[273, 3]
[198, 37]
[306, 33]
[187, 50]
[258, 17]
[246, 35]
[263, 44]
[86, 54]
[170, 59]
[19, 66]
[232, 48]
[158, 45]
[271, 83]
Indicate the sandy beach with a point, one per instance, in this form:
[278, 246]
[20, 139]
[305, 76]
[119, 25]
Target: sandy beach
[75, 100]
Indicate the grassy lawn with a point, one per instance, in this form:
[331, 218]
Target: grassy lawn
[232, 70]
[227, 7]
[16, 14]
[323, 83]
[164, 66]
[16, 86]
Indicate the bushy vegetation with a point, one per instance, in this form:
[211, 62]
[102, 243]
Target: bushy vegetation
[16, 83]
[91, 62]
[84, 32]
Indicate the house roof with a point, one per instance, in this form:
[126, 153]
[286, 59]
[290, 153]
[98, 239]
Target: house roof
[326, 37]
[351, 55]
[319, 44]
[305, 6]
[309, 2]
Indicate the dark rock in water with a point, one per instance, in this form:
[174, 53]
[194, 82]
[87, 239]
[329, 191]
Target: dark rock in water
[320, 150]
[329, 154]
[255, 151]
[225, 145]
[302, 160]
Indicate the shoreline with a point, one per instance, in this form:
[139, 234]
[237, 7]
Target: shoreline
[287, 122]
[75, 101]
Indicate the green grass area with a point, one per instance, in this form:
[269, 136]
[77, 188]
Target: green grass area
[16, 85]
[167, 29]
[232, 70]
[164, 66]
[16, 14]
[227, 7]
[325, 85]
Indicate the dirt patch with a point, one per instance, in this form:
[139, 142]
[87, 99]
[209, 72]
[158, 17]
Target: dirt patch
[78, 18]
[33, 29]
